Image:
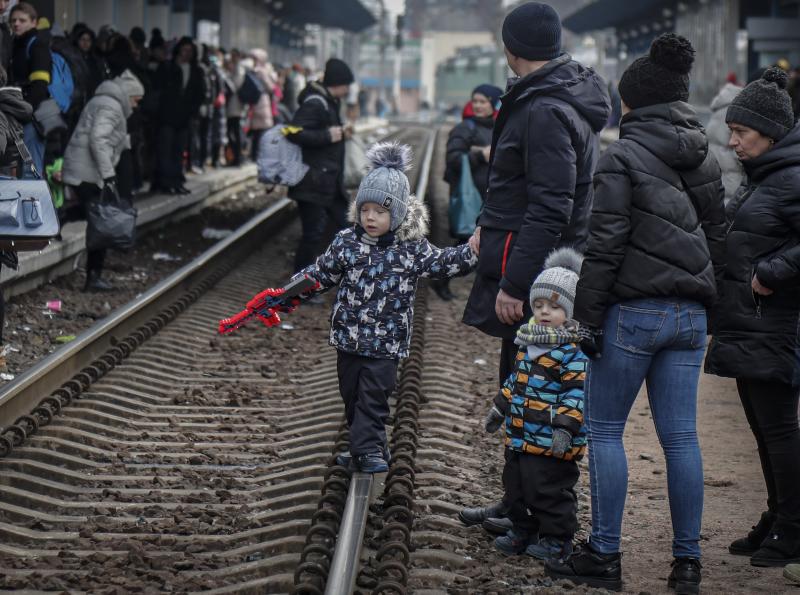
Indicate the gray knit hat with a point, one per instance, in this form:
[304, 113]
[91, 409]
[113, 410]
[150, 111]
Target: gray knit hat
[386, 184]
[764, 105]
[559, 279]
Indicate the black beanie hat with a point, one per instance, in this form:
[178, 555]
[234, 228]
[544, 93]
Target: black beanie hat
[764, 105]
[660, 77]
[533, 31]
[337, 73]
[491, 92]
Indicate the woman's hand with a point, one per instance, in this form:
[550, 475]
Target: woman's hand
[475, 241]
[758, 288]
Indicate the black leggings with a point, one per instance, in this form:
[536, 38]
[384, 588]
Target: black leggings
[771, 410]
[94, 258]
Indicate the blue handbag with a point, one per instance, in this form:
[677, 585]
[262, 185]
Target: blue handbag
[465, 203]
[28, 219]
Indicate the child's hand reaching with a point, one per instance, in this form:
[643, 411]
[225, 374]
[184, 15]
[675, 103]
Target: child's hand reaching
[475, 241]
[493, 420]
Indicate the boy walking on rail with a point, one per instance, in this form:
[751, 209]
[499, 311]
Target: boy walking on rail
[541, 403]
[376, 264]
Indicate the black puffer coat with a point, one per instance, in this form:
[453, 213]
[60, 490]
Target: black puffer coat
[647, 236]
[471, 132]
[324, 182]
[178, 104]
[544, 149]
[756, 336]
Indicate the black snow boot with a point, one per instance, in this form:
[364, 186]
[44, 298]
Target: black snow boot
[781, 547]
[442, 289]
[685, 576]
[747, 546]
[95, 283]
[476, 516]
[588, 567]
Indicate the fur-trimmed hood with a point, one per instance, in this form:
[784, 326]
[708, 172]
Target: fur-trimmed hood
[415, 225]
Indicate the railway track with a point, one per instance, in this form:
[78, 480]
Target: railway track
[149, 455]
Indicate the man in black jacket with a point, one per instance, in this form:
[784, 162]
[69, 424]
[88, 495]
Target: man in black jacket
[317, 127]
[544, 149]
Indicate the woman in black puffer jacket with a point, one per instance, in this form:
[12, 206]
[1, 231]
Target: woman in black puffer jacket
[656, 236]
[471, 137]
[756, 328]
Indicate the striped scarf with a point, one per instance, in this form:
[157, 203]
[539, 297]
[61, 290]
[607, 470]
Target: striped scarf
[533, 333]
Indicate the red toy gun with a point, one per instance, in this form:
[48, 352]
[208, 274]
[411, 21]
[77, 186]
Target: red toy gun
[266, 305]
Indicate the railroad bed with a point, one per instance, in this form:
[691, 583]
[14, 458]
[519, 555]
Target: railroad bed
[167, 458]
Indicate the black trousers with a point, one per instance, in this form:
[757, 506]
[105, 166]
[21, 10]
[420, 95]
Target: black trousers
[508, 356]
[169, 168]
[257, 134]
[540, 494]
[316, 235]
[365, 384]
[771, 411]
[94, 258]
[235, 139]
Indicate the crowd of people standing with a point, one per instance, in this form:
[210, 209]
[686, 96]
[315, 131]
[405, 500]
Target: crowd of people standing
[134, 110]
[677, 234]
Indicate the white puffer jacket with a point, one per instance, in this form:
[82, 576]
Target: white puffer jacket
[102, 132]
[718, 136]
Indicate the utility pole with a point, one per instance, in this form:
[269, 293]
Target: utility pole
[384, 35]
[398, 57]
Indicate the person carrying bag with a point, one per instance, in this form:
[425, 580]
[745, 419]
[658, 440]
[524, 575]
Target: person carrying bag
[89, 161]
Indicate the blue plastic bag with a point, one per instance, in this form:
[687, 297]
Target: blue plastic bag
[465, 203]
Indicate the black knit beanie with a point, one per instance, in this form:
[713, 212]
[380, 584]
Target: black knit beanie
[764, 105]
[533, 31]
[337, 73]
[660, 77]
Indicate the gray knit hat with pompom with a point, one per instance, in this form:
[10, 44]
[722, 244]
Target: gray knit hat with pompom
[764, 105]
[559, 279]
[386, 183]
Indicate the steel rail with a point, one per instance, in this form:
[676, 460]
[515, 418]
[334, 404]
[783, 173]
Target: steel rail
[345, 565]
[19, 397]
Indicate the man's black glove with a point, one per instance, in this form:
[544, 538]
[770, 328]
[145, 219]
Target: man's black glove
[109, 190]
[591, 341]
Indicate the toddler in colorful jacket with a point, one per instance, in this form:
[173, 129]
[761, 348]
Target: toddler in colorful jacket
[376, 264]
[541, 403]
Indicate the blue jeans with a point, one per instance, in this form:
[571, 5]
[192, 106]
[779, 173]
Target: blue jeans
[661, 342]
[35, 146]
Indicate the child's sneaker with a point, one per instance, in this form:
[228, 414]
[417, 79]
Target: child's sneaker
[549, 547]
[372, 462]
[344, 459]
[512, 543]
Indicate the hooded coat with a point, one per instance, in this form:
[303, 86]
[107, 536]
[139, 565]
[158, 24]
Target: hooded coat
[756, 336]
[658, 223]
[544, 150]
[718, 136]
[324, 182]
[377, 279]
[15, 112]
[102, 132]
[471, 132]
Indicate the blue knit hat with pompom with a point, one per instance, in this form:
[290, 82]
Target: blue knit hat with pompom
[386, 183]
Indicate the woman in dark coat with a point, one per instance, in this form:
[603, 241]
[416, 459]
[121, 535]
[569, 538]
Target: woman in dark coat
[472, 137]
[756, 323]
[656, 236]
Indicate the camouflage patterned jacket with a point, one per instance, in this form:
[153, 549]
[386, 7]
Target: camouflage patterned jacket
[377, 280]
[542, 394]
